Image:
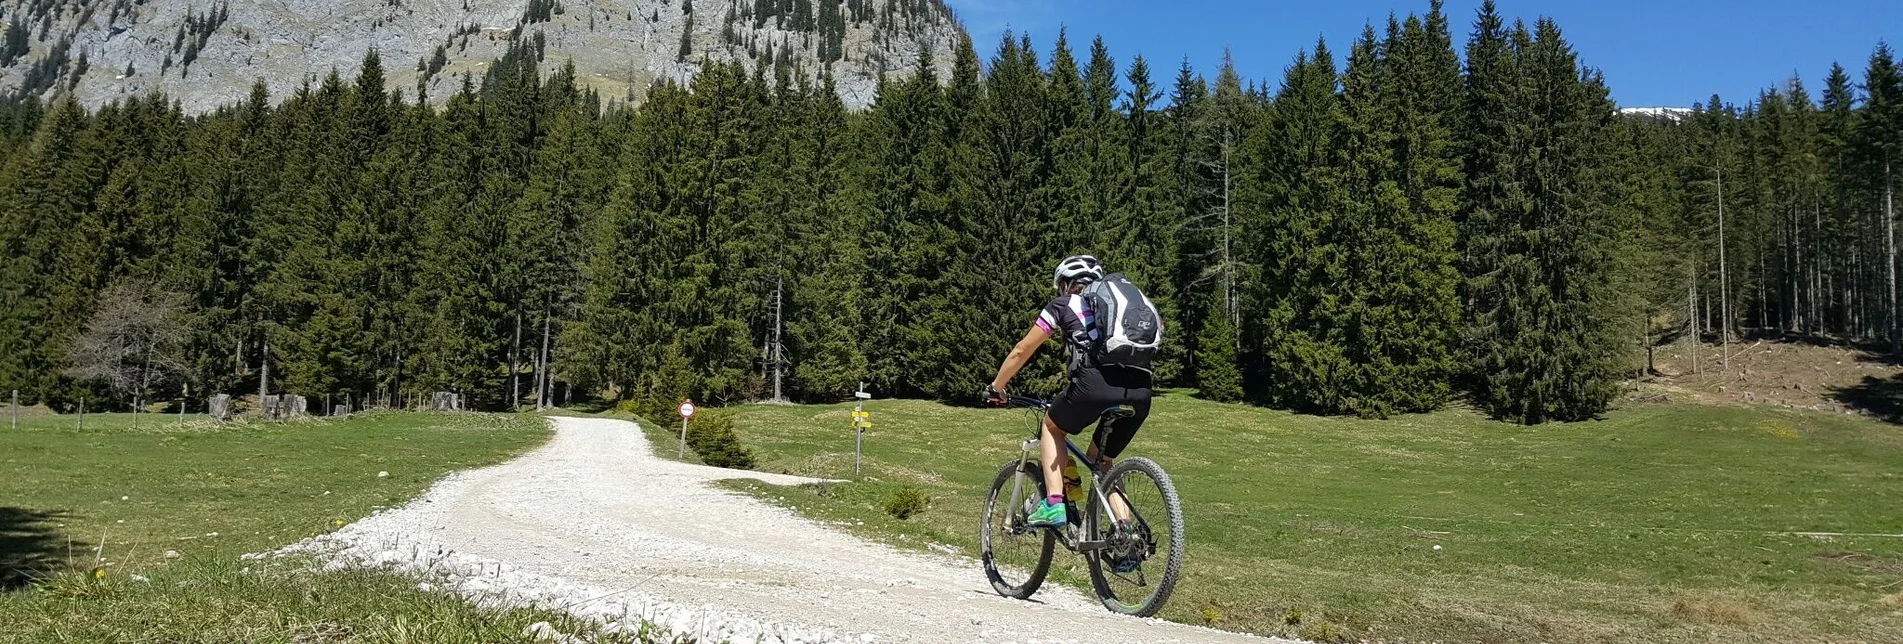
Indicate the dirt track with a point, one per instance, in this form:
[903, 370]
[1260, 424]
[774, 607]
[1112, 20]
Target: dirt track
[595, 521]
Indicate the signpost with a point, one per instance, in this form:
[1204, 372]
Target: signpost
[687, 412]
[861, 421]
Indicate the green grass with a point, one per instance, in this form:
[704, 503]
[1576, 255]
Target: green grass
[1660, 523]
[213, 492]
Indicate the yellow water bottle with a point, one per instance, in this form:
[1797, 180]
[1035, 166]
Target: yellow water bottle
[1073, 483]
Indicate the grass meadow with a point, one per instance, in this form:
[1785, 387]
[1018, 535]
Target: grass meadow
[87, 517]
[1657, 523]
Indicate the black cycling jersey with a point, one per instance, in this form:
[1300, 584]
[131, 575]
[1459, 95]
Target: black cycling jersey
[1067, 316]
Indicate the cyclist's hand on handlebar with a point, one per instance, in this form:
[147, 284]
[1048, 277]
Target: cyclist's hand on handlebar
[994, 395]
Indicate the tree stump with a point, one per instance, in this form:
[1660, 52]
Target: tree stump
[219, 407]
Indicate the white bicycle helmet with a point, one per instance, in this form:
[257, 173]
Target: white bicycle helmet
[1076, 268]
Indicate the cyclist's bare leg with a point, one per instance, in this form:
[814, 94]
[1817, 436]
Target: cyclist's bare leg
[1054, 458]
[1118, 505]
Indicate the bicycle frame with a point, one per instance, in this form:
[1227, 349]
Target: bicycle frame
[1072, 539]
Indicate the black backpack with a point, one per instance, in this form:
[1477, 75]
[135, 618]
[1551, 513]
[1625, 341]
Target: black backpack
[1128, 327]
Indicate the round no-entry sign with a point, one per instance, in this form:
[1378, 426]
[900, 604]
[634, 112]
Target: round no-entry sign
[687, 409]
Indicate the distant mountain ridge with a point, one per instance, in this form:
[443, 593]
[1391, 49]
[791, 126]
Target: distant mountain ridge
[1670, 113]
[208, 53]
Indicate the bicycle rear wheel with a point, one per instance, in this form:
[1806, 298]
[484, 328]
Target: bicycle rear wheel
[1016, 556]
[1138, 569]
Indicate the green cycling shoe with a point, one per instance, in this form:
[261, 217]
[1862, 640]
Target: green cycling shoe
[1047, 516]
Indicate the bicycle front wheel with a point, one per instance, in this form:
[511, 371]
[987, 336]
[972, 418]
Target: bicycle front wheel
[1137, 570]
[1016, 556]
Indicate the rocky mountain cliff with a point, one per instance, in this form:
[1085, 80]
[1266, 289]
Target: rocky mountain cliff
[208, 53]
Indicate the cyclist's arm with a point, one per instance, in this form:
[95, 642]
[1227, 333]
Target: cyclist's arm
[1020, 354]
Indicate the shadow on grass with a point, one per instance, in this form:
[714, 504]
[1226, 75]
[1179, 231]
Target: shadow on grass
[1875, 396]
[30, 547]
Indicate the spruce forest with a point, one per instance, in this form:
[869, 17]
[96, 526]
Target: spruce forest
[1394, 224]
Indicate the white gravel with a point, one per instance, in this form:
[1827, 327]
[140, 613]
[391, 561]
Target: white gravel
[595, 525]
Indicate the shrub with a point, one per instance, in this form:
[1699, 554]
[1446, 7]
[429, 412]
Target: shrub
[711, 437]
[653, 407]
[906, 502]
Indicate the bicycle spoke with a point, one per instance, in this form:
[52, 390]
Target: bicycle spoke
[1016, 550]
[1139, 501]
[1139, 581]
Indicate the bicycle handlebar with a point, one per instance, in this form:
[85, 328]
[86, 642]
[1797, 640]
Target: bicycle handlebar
[1026, 401]
[1015, 401]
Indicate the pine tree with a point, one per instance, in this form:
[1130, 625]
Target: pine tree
[1837, 123]
[1184, 197]
[1402, 175]
[547, 227]
[687, 41]
[1297, 194]
[29, 224]
[1877, 143]
[829, 360]
[1142, 226]
[460, 337]
[1547, 314]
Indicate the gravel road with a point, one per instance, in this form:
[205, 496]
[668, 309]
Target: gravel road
[594, 524]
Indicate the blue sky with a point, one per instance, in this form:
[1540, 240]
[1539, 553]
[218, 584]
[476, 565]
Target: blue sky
[1654, 53]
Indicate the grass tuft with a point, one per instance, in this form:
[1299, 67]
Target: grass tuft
[1324, 632]
[904, 503]
[1710, 611]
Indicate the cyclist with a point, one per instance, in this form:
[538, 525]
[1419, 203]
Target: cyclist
[1091, 391]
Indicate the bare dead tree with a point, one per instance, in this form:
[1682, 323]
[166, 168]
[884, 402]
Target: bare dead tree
[1219, 129]
[134, 341]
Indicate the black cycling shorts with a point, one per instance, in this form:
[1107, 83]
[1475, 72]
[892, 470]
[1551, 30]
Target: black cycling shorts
[1094, 390]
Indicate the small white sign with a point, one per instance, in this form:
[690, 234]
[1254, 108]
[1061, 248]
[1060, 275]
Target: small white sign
[687, 409]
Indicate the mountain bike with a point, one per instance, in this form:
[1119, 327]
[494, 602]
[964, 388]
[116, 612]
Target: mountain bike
[1128, 526]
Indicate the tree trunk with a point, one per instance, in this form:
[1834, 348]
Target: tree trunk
[1853, 290]
[1818, 287]
[1764, 313]
[264, 371]
[1793, 319]
[1889, 239]
[1691, 315]
[1724, 280]
[779, 346]
[396, 381]
[541, 369]
[1228, 264]
[515, 365]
